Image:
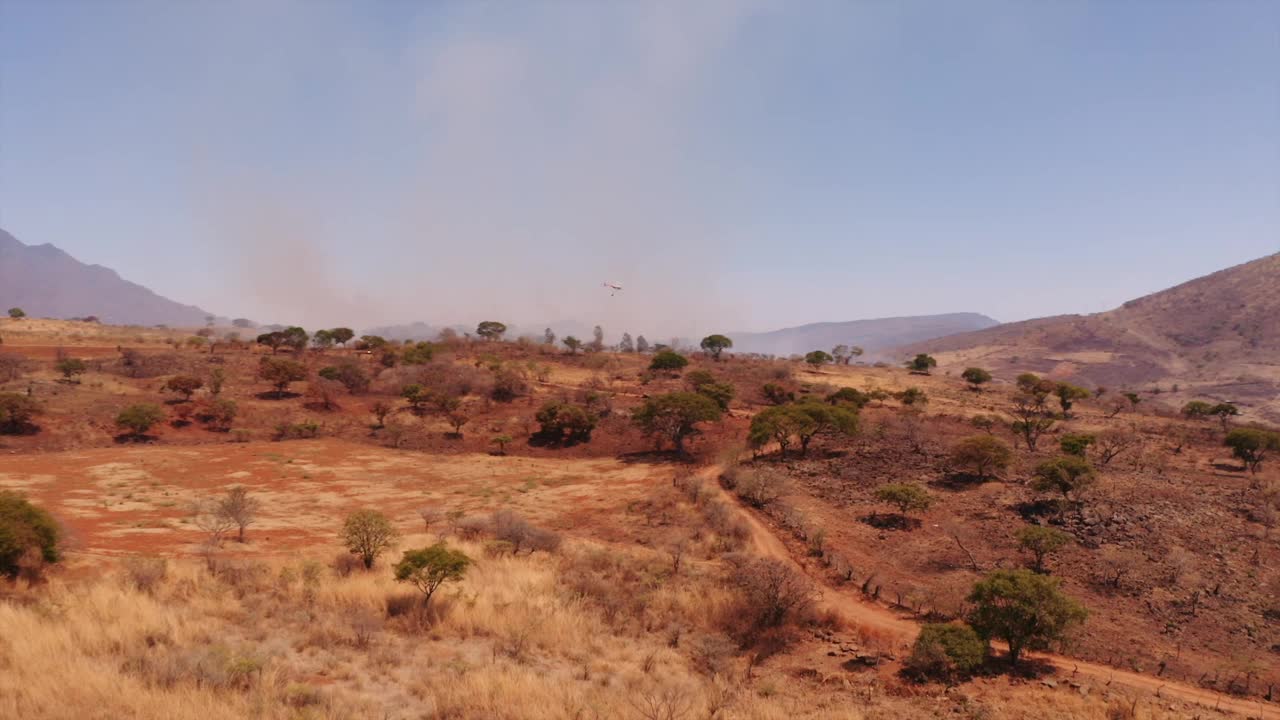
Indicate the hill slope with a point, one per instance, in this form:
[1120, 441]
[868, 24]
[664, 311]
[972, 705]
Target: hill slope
[47, 282]
[1217, 336]
[873, 336]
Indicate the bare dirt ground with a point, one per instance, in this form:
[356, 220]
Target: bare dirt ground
[118, 501]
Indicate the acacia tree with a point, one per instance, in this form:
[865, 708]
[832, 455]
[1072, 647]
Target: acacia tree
[1024, 609]
[491, 330]
[548, 337]
[1030, 424]
[70, 367]
[922, 364]
[16, 413]
[668, 360]
[1251, 445]
[976, 377]
[1224, 412]
[817, 358]
[982, 455]
[367, 534]
[642, 345]
[342, 335]
[280, 372]
[323, 339]
[184, 385]
[716, 344]
[675, 416]
[1067, 474]
[572, 343]
[626, 345]
[17, 313]
[295, 338]
[1040, 541]
[1067, 395]
[139, 418]
[904, 496]
[430, 567]
[274, 340]
[597, 339]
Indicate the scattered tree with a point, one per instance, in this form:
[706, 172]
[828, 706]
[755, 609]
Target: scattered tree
[572, 343]
[367, 534]
[140, 418]
[922, 364]
[17, 313]
[217, 413]
[274, 340]
[1224, 412]
[342, 335]
[280, 372]
[349, 374]
[491, 330]
[773, 593]
[430, 567]
[239, 508]
[626, 345]
[1197, 409]
[29, 536]
[849, 396]
[976, 377]
[295, 338]
[1110, 443]
[1067, 474]
[323, 339]
[501, 441]
[675, 416]
[716, 344]
[904, 496]
[597, 339]
[70, 367]
[1251, 445]
[1039, 541]
[981, 455]
[16, 413]
[184, 385]
[912, 397]
[1024, 609]
[1030, 424]
[668, 360]
[1067, 395]
[242, 323]
[1076, 443]
[818, 358]
[565, 423]
[548, 337]
[642, 345]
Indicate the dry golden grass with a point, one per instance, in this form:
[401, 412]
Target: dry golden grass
[516, 640]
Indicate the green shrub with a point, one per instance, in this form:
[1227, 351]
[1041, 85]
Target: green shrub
[24, 527]
[944, 651]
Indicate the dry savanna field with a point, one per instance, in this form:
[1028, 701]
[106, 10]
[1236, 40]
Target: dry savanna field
[779, 564]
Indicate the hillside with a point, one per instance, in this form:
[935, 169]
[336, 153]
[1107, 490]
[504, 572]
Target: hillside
[873, 336]
[1216, 337]
[47, 282]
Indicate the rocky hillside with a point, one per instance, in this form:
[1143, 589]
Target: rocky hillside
[1216, 337]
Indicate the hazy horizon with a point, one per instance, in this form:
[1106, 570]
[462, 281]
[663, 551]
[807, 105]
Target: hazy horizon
[737, 165]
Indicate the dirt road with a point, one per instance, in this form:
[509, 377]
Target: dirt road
[871, 615]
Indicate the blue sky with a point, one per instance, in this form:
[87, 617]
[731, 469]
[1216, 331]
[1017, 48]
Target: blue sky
[736, 165]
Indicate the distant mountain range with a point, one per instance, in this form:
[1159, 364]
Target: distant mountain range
[47, 282]
[1215, 337]
[875, 337]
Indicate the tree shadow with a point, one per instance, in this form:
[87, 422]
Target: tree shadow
[653, 457]
[890, 521]
[20, 429]
[1230, 467]
[273, 395]
[133, 438]
[320, 406]
[553, 441]
[960, 481]
[1032, 510]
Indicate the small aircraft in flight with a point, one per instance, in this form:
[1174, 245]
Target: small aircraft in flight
[614, 288]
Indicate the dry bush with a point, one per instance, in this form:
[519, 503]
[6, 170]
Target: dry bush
[773, 594]
[145, 573]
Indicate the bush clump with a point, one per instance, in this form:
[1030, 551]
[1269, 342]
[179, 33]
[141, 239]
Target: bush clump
[29, 536]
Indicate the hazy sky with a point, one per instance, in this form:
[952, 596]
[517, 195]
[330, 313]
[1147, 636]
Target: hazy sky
[736, 165]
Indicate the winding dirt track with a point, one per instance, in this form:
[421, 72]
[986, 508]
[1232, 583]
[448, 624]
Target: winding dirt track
[859, 612]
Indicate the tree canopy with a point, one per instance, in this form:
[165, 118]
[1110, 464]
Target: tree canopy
[675, 416]
[976, 377]
[491, 330]
[1024, 609]
[1251, 445]
[716, 344]
[922, 364]
[430, 567]
[818, 357]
